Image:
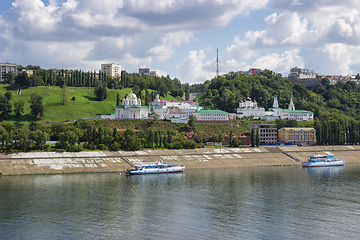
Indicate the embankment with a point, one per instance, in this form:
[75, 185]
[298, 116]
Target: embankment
[104, 161]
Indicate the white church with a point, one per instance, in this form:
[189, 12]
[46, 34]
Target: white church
[249, 108]
[131, 108]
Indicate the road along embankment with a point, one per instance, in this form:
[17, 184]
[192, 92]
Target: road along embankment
[106, 161]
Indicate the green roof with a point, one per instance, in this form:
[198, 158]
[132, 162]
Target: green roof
[210, 111]
[295, 111]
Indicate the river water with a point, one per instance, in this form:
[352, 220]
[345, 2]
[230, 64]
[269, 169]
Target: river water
[228, 203]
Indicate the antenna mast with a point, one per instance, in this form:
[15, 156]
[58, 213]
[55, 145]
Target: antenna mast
[217, 62]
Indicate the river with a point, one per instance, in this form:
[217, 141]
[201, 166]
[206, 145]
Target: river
[227, 203]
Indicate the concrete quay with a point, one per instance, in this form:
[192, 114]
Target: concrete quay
[106, 161]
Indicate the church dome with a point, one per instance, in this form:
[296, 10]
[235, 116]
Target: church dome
[131, 96]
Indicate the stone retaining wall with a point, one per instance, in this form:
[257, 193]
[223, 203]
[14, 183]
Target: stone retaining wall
[105, 161]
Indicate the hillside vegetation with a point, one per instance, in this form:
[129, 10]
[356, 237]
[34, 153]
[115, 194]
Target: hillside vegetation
[84, 105]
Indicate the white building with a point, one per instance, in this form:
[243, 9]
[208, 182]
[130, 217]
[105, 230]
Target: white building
[131, 108]
[304, 76]
[211, 116]
[287, 114]
[111, 69]
[146, 72]
[159, 107]
[249, 108]
[176, 115]
[6, 67]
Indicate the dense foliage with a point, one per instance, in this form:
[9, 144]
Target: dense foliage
[336, 107]
[77, 78]
[340, 101]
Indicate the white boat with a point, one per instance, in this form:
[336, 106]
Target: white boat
[156, 167]
[323, 161]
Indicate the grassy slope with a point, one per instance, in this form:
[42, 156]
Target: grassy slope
[83, 106]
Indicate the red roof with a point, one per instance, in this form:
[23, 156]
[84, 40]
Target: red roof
[162, 101]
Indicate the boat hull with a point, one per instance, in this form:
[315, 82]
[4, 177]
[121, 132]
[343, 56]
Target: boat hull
[339, 163]
[131, 172]
[155, 168]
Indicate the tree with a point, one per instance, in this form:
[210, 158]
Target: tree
[100, 91]
[252, 137]
[231, 139]
[10, 77]
[23, 140]
[36, 105]
[257, 138]
[117, 99]
[19, 108]
[39, 138]
[191, 123]
[64, 95]
[5, 107]
[67, 140]
[187, 92]
[8, 95]
[23, 80]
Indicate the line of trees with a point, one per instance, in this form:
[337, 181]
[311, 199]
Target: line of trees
[335, 132]
[36, 106]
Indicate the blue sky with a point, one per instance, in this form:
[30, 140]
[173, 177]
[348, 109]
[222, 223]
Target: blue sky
[180, 37]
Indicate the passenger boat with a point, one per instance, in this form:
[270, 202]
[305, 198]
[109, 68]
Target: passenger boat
[323, 161]
[156, 167]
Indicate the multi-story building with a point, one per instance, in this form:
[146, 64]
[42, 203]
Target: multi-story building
[29, 72]
[160, 107]
[304, 76]
[111, 69]
[211, 116]
[335, 78]
[249, 109]
[144, 71]
[267, 133]
[251, 71]
[6, 67]
[297, 136]
[153, 74]
[176, 115]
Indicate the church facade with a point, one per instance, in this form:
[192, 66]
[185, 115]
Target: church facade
[131, 108]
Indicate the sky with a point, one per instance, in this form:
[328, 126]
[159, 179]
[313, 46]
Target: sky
[180, 37]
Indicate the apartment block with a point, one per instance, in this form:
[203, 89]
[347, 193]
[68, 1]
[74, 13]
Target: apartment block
[304, 76]
[297, 136]
[267, 132]
[6, 67]
[111, 69]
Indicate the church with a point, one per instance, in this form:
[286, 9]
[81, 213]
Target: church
[287, 114]
[131, 108]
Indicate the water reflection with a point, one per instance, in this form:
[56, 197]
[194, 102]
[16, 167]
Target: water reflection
[233, 203]
[164, 177]
[325, 171]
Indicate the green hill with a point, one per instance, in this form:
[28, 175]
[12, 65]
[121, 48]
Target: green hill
[84, 104]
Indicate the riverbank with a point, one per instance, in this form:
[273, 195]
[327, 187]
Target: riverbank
[106, 161]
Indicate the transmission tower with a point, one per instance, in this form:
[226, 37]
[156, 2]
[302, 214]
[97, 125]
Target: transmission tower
[217, 62]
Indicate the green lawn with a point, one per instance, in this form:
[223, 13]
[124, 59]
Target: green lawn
[84, 104]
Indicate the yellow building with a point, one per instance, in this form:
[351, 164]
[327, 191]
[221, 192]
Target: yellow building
[297, 136]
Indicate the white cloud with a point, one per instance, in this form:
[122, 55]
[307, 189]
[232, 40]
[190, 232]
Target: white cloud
[300, 32]
[280, 63]
[191, 70]
[135, 31]
[165, 50]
